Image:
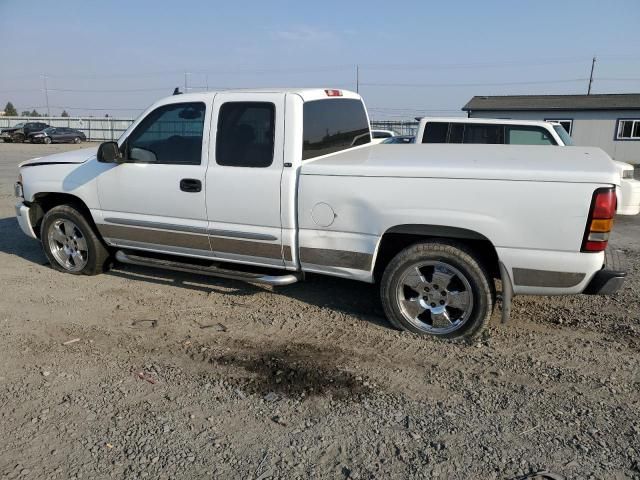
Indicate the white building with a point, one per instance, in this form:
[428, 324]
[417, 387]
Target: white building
[608, 121]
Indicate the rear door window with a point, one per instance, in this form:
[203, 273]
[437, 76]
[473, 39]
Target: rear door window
[333, 125]
[246, 134]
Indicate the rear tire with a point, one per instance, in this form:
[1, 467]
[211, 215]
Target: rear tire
[437, 288]
[70, 242]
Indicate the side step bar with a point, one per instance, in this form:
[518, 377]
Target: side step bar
[276, 280]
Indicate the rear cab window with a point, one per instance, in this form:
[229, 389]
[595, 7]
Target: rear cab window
[333, 125]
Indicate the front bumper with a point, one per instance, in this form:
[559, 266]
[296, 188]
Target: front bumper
[608, 280]
[24, 220]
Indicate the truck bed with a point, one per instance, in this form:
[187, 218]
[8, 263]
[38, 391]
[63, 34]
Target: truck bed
[486, 162]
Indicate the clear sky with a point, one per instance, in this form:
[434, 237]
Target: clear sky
[415, 57]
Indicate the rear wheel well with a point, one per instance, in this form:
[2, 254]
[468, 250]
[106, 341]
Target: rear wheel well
[43, 202]
[398, 238]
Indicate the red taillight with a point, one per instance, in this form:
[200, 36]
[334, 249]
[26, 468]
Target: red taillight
[600, 221]
[333, 93]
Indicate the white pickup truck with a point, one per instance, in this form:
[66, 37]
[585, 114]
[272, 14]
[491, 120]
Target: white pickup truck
[521, 132]
[268, 185]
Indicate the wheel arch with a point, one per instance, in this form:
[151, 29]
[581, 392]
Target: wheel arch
[399, 237]
[45, 201]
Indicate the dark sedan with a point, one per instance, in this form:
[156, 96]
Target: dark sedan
[400, 139]
[58, 135]
[21, 131]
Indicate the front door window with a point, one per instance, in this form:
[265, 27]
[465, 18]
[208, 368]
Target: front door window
[171, 134]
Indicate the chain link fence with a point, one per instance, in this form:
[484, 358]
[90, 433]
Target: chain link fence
[400, 127]
[95, 128]
[101, 129]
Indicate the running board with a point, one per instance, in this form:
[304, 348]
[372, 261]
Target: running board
[276, 280]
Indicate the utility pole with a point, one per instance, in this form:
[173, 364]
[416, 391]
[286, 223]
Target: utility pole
[357, 78]
[46, 94]
[593, 64]
[185, 82]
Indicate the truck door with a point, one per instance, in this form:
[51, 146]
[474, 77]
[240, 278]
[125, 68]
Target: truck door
[155, 200]
[243, 179]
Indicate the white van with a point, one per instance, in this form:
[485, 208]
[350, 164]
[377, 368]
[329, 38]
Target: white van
[520, 132]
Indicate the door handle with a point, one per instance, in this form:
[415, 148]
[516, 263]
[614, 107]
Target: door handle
[190, 185]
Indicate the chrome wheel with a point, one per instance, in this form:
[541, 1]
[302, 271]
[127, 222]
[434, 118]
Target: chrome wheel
[435, 297]
[76, 140]
[67, 245]
[47, 140]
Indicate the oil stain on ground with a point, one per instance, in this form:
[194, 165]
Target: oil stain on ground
[288, 370]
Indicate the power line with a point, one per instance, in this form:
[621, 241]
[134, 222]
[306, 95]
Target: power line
[445, 66]
[135, 109]
[617, 79]
[128, 90]
[344, 67]
[448, 85]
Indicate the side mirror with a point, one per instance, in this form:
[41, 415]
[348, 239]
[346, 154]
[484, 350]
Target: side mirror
[109, 152]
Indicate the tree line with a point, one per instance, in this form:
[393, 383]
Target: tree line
[10, 111]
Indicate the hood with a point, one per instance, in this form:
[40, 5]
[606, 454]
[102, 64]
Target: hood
[536, 163]
[73, 156]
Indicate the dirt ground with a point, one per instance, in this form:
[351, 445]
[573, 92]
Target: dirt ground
[179, 376]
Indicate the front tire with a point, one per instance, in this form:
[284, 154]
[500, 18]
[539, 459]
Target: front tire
[437, 288]
[70, 243]
[47, 140]
[19, 138]
[77, 140]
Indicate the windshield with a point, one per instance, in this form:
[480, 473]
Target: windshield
[18, 125]
[564, 136]
[49, 130]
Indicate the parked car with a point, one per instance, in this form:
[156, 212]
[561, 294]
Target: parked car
[379, 136]
[522, 132]
[400, 139]
[275, 180]
[21, 131]
[58, 135]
